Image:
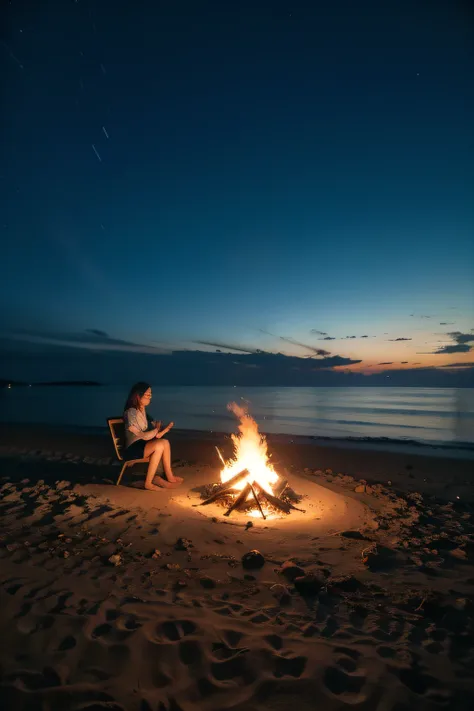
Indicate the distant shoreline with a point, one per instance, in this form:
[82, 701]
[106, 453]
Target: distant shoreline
[55, 383]
[181, 384]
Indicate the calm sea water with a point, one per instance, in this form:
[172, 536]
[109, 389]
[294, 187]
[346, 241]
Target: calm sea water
[428, 415]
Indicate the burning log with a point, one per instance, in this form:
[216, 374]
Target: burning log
[257, 501]
[278, 504]
[219, 454]
[226, 488]
[240, 499]
[280, 488]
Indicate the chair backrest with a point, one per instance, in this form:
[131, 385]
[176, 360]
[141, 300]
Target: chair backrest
[117, 431]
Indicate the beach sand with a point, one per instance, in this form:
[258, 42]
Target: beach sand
[117, 598]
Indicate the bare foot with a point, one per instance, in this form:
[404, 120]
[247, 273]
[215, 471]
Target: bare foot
[164, 484]
[175, 479]
[152, 487]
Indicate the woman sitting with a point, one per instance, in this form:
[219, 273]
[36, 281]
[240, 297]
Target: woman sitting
[144, 439]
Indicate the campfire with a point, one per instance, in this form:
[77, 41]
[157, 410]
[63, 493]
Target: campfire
[249, 482]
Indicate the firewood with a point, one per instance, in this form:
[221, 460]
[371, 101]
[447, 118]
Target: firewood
[273, 500]
[239, 500]
[257, 501]
[276, 503]
[226, 488]
[281, 486]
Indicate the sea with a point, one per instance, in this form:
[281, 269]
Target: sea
[424, 416]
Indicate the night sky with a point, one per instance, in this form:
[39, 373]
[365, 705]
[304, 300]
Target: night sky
[242, 176]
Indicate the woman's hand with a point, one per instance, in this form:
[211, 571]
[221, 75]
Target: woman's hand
[163, 432]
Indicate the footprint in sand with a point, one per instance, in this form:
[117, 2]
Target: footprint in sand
[13, 589]
[417, 681]
[232, 637]
[68, 642]
[274, 641]
[347, 664]
[177, 629]
[289, 666]
[234, 668]
[190, 652]
[110, 634]
[340, 682]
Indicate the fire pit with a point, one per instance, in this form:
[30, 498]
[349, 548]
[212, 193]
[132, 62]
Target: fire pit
[249, 482]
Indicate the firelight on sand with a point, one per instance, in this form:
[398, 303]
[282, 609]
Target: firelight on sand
[250, 452]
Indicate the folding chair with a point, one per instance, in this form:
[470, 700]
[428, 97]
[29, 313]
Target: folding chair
[117, 431]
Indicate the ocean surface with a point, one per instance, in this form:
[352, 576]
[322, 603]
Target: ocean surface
[436, 416]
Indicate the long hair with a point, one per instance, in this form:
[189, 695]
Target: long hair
[136, 392]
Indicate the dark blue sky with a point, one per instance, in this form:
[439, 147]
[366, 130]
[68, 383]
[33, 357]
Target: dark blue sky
[179, 173]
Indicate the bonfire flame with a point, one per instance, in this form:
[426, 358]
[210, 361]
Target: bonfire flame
[250, 452]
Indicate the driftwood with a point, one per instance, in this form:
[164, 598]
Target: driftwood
[226, 488]
[240, 499]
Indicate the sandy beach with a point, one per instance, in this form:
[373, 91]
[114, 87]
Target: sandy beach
[117, 598]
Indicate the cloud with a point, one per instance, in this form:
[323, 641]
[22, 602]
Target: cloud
[318, 333]
[226, 346]
[461, 341]
[387, 363]
[289, 339]
[96, 332]
[460, 348]
[403, 362]
[199, 367]
[447, 323]
[329, 338]
[400, 339]
[90, 338]
[461, 337]
[468, 364]
[350, 336]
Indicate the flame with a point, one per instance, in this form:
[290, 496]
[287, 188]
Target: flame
[250, 452]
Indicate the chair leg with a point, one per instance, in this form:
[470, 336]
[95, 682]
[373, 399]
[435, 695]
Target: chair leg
[125, 465]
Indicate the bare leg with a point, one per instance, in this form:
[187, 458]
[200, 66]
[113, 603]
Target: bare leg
[167, 464]
[155, 450]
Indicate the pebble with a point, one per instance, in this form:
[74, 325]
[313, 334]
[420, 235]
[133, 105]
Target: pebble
[116, 559]
[173, 566]
[253, 560]
[183, 544]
